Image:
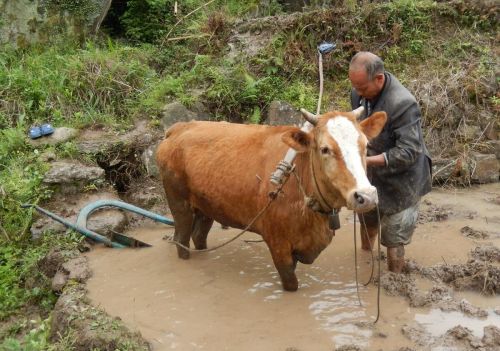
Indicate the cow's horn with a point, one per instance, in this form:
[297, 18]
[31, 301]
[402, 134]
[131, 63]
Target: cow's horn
[313, 119]
[357, 112]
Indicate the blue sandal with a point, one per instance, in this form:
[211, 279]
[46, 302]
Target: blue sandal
[46, 129]
[35, 132]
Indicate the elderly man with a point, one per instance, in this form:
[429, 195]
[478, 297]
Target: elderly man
[398, 162]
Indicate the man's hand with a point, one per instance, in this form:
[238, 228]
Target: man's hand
[376, 161]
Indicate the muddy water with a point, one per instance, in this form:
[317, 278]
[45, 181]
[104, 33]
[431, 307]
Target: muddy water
[231, 299]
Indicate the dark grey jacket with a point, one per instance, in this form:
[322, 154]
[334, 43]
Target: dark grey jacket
[407, 175]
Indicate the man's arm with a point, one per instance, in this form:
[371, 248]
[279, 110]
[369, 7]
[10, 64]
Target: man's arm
[407, 133]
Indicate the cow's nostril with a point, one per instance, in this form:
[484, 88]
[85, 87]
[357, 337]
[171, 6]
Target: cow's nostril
[359, 199]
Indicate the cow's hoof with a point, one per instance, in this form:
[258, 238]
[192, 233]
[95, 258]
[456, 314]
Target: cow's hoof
[182, 253]
[290, 285]
[200, 245]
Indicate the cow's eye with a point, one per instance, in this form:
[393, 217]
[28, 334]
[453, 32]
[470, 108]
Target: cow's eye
[324, 150]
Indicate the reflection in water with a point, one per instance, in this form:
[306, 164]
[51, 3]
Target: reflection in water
[438, 322]
[333, 300]
[336, 310]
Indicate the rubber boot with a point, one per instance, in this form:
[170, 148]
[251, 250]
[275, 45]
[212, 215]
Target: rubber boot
[368, 237]
[396, 258]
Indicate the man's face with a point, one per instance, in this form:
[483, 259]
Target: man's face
[369, 89]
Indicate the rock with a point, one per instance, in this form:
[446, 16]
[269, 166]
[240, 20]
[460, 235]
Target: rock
[92, 142]
[491, 336]
[495, 146]
[292, 5]
[470, 132]
[77, 269]
[148, 158]
[59, 136]
[485, 168]
[444, 170]
[37, 21]
[145, 197]
[105, 221]
[59, 281]
[45, 224]
[50, 264]
[282, 113]
[70, 172]
[48, 156]
[177, 112]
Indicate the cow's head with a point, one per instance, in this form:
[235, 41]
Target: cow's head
[337, 146]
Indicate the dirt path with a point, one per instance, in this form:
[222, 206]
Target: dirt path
[231, 299]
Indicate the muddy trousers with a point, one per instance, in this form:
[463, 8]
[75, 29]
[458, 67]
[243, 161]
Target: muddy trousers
[396, 232]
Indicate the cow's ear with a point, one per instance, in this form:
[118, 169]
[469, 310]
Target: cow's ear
[298, 140]
[373, 125]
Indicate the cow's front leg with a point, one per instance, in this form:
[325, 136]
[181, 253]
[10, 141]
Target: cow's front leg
[285, 264]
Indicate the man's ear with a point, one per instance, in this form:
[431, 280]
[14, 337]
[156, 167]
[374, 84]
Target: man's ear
[298, 140]
[373, 125]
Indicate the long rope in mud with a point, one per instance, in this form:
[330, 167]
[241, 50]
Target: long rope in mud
[379, 259]
[356, 260]
[379, 231]
[362, 220]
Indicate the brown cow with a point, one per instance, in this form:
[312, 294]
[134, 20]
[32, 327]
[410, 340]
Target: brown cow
[220, 171]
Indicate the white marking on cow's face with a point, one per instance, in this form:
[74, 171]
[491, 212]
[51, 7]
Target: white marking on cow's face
[345, 134]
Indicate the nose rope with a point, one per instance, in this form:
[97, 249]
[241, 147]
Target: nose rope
[379, 259]
[365, 232]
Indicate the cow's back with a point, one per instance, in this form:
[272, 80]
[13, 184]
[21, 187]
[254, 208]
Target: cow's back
[221, 168]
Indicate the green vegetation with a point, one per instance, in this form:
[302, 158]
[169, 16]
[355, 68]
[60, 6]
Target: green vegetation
[441, 50]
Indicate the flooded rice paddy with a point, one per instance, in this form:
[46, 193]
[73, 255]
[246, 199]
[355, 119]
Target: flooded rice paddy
[231, 299]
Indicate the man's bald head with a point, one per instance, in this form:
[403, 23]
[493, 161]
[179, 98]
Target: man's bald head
[366, 73]
[368, 62]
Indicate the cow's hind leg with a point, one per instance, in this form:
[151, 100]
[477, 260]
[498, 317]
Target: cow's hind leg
[201, 227]
[285, 263]
[183, 215]
[183, 219]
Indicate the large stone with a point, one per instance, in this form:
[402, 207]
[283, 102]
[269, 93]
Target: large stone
[282, 113]
[495, 145]
[24, 22]
[444, 170]
[106, 221]
[470, 132]
[70, 172]
[59, 136]
[148, 158]
[292, 5]
[105, 141]
[177, 112]
[485, 168]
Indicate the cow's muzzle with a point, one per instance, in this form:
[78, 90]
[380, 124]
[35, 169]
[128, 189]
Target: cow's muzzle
[362, 200]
